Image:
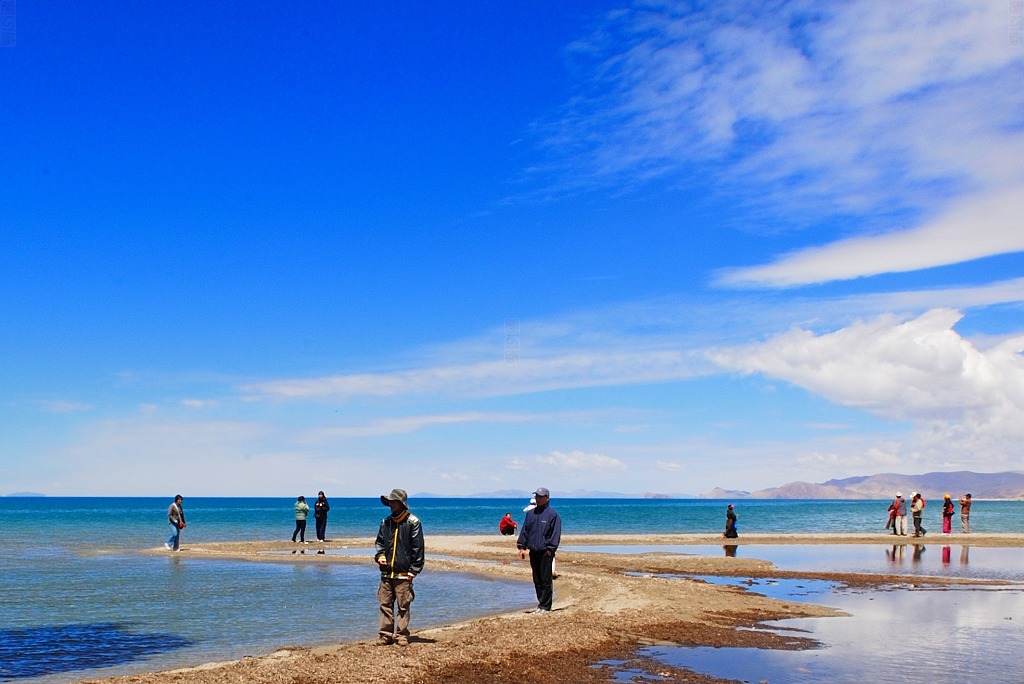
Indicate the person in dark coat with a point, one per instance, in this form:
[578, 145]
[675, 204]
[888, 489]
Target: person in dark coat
[540, 536]
[320, 508]
[730, 523]
[399, 553]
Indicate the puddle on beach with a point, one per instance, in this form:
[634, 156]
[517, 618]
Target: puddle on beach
[950, 635]
[928, 559]
[933, 634]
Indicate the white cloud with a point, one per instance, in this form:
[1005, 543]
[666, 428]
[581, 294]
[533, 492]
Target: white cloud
[862, 107]
[404, 424]
[584, 368]
[65, 406]
[580, 461]
[200, 403]
[671, 467]
[919, 370]
[974, 228]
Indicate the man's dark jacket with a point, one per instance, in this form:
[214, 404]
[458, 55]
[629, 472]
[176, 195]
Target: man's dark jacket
[401, 545]
[542, 530]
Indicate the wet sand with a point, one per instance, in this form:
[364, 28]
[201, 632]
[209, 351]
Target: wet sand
[600, 612]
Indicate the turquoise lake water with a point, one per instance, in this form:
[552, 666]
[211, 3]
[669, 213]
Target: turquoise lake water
[78, 599]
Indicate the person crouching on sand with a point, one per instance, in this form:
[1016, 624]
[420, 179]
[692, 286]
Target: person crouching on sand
[508, 526]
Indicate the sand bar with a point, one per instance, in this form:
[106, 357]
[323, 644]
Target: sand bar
[601, 612]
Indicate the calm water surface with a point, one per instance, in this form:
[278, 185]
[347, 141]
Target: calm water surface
[78, 599]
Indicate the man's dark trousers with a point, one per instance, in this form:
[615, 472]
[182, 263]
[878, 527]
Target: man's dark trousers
[540, 563]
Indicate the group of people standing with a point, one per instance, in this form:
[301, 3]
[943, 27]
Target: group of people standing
[399, 551]
[898, 514]
[320, 508]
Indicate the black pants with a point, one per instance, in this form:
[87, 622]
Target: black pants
[300, 528]
[918, 530]
[321, 528]
[540, 563]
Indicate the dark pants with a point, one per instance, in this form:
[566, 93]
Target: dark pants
[321, 528]
[300, 528]
[918, 530]
[540, 563]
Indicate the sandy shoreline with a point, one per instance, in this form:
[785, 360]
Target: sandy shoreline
[601, 613]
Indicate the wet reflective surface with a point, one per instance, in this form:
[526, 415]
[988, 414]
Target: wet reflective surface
[919, 635]
[925, 634]
[105, 606]
[931, 559]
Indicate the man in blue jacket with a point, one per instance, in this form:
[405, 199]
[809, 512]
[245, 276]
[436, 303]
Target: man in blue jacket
[399, 554]
[540, 535]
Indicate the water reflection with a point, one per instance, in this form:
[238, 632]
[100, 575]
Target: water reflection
[52, 649]
[730, 550]
[998, 563]
[964, 634]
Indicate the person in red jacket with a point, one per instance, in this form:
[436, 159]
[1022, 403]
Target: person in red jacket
[508, 526]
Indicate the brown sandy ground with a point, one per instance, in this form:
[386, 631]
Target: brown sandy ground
[601, 614]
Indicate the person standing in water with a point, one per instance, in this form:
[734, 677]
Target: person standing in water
[176, 519]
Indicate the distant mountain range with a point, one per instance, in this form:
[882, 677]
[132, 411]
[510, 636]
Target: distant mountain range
[1006, 485]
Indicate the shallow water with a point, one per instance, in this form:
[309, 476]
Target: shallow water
[932, 560]
[923, 633]
[72, 571]
[212, 610]
[918, 635]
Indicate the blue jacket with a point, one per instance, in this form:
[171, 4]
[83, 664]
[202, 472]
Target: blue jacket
[542, 530]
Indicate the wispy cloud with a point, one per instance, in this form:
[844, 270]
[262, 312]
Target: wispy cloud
[405, 424]
[903, 115]
[663, 340]
[580, 461]
[65, 406]
[974, 228]
[200, 403]
[850, 103]
[591, 368]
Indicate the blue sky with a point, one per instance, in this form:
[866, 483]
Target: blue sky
[628, 247]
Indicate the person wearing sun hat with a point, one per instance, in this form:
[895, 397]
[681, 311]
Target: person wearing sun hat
[947, 514]
[540, 536]
[399, 553]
